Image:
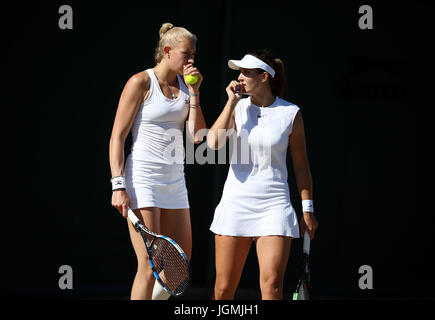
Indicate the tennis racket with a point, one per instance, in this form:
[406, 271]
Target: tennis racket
[302, 291]
[167, 260]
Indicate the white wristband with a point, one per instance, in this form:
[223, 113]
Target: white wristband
[118, 183]
[307, 206]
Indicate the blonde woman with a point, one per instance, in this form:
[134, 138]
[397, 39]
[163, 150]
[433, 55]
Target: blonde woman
[255, 203]
[154, 105]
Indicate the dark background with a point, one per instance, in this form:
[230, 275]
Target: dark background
[367, 99]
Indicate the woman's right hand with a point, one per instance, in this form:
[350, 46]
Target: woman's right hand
[121, 202]
[233, 90]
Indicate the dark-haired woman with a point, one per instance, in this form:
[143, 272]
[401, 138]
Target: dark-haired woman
[255, 204]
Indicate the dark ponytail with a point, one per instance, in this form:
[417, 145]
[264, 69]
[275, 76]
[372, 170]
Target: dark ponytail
[278, 83]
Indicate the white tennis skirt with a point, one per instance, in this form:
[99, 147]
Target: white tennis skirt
[150, 184]
[244, 212]
[276, 222]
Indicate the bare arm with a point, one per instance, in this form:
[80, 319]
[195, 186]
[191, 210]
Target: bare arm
[301, 166]
[302, 171]
[220, 131]
[195, 122]
[132, 96]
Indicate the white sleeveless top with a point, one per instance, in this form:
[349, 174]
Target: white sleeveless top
[256, 199]
[158, 128]
[154, 170]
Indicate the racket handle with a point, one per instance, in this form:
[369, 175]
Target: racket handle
[306, 242]
[132, 217]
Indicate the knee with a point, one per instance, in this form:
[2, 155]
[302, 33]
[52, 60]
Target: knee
[144, 271]
[271, 287]
[223, 290]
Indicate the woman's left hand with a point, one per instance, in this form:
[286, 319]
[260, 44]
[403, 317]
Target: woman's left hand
[190, 69]
[308, 222]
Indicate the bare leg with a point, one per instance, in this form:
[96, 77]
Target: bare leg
[272, 253]
[231, 253]
[175, 224]
[144, 280]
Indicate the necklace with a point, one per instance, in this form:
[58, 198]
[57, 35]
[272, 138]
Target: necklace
[173, 95]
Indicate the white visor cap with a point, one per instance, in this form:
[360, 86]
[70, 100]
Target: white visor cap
[251, 62]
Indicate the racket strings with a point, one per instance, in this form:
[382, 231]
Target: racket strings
[170, 265]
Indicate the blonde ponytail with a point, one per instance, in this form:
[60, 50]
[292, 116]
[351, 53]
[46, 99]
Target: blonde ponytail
[170, 35]
[164, 28]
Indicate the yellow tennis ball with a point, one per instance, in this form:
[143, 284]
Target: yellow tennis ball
[191, 79]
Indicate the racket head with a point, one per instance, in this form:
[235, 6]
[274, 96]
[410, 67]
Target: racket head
[167, 259]
[170, 265]
[302, 292]
[306, 288]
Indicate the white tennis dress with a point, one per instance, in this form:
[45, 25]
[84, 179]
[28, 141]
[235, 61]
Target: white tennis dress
[154, 170]
[256, 200]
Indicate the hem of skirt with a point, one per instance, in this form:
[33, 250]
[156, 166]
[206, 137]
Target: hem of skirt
[234, 234]
[148, 204]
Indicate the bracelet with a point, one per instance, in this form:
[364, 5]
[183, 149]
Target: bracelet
[192, 94]
[307, 206]
[118, 183]
[195, 106]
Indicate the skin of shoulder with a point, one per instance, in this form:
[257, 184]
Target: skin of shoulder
[140, 82]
